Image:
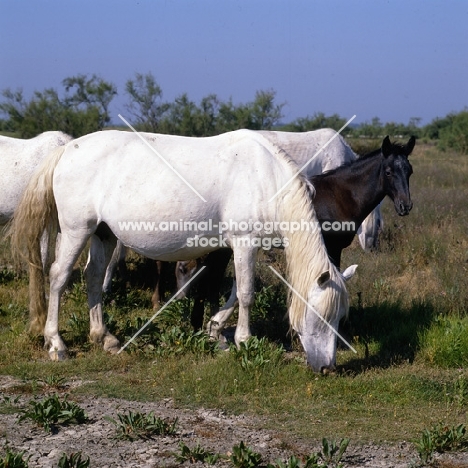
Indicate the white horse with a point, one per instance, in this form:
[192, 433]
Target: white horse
[104, 179]
[314, 152]
[19, 160]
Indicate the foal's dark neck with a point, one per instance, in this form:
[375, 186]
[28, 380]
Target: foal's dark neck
[357, 187]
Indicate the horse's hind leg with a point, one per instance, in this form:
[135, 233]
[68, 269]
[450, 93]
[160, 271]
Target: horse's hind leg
[117, 262]
[45, 249]
[67, 252]
[157, 292]
[100, 253]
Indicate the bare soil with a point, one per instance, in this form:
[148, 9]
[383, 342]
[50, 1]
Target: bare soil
[212, 429]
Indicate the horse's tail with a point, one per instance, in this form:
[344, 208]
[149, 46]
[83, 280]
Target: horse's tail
[36, 214]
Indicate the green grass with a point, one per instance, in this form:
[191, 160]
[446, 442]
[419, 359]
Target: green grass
[408, 322]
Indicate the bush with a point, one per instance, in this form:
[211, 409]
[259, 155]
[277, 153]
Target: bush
[455, 135]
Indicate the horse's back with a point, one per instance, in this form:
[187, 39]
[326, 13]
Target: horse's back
[19, 159]
[325, 148]
[113, 177]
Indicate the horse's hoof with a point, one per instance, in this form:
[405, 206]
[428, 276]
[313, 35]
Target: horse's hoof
[111, 344]
[56, 355]
[223, 346]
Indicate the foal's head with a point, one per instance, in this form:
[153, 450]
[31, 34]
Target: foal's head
[397, 171]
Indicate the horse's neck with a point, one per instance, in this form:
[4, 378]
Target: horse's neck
[362, 184]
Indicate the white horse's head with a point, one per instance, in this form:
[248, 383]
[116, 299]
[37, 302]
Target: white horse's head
[318, 333]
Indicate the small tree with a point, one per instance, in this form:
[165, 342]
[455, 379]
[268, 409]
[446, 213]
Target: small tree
[145, 102]
[209, 108]
[455, 135]
[264, 112]
[181, 118]
[90, 93]
[84, 111]
[315, 122]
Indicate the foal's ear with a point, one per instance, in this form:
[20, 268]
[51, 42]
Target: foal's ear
[323, 278]
[386, 147]
[410, 146]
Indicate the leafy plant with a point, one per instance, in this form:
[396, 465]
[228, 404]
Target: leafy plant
[53, 381]
[196, 454]
[244, 457]
[256, 353]
[13, 460]
[177, 341]
[73, 460]
[133, 426]
[329, 457]
[441, 438]
[9, 405]
[332, 452]
[10, 401]
[292, 462]
[52, 411]
[78, 327]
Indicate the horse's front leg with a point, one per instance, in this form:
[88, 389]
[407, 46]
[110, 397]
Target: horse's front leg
[244, 263]
[216, 324]
[100, 253]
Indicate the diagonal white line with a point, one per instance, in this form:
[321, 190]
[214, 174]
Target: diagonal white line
[311, 159]
[313, 310]
[160, 310]
[160, 157]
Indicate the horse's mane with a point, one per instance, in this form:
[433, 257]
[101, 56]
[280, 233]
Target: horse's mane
[306, 255]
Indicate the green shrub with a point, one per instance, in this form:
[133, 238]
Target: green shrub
[73, 460]
[257, 353]
[441, 438]
[455, 135]
[196, 454]
[52, 411]
[244, 457]
[13, 460]
[133, 426]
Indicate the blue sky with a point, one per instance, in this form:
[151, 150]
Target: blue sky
[390, 59]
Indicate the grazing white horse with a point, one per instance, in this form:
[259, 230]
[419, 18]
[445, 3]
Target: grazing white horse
[319, 151]
[19, 160]
[102, 180]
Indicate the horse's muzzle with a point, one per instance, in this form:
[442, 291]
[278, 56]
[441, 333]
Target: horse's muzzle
[403, 209]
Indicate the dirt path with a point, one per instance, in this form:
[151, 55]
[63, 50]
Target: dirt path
[212, 429]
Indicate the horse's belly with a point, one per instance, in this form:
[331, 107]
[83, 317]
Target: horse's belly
[171, 246]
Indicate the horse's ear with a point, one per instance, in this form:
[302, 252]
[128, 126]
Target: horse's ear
[323, 278]
[349, 272]
[410, 146]
[386, 147]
